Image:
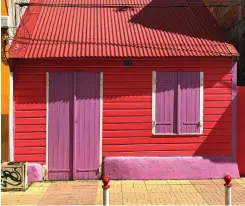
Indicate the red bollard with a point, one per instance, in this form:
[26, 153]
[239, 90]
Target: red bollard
[106, 187]
[227, 185]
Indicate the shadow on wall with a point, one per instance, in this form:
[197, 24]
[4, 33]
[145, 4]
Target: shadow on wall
[166, 19]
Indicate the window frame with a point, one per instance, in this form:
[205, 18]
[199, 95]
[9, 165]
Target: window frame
[154, 107]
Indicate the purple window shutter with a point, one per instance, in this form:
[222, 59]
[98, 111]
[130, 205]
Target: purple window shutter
[59, 126]
[189, 102]
[166, 102]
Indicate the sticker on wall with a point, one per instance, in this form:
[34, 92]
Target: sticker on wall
[14, 176]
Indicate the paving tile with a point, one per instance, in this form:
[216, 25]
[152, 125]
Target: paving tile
[156, 182]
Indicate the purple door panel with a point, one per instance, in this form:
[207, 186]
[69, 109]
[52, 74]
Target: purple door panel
[87, 125]
[59, 126]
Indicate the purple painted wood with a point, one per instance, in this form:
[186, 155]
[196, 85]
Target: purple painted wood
[59, 126]
[87, 125]
[189, 102]
[166, 94]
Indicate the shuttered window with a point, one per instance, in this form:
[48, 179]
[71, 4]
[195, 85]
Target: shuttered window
[177, 103]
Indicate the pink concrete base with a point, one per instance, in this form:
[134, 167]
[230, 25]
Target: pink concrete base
[144, 168]
[35, 172]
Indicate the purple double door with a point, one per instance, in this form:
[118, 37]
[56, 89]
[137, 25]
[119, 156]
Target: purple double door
[73, 125]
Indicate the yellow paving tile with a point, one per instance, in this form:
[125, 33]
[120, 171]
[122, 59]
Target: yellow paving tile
[156, 182]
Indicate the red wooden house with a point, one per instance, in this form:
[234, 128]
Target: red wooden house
[143, 92]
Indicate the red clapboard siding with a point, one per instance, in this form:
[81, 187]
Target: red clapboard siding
[217, 77]
[30, 78]
[170, 153]
[30, 143]
[108, 120]
[30, 92]
[29, 150]
[127, 85]
[215, 84]
[214, 104]
[217, 91]
[130, 126]
[39, 158]
[30, 128]
[170, 140]
[30, 107]
[129, 113]
[30, 136]
[127, 106]
[33, 85]
[30, 117]
[210, 97]
[127, 99]
[166, 147]
[28, 114]
[30, 121]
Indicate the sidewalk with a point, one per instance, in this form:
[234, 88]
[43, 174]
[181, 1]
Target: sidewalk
[183, 192]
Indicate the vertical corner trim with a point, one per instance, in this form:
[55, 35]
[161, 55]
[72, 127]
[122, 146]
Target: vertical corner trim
[201, 101]
[101, 122]
[11, 118]
[47, 115]
[234, 103]
[153, 102]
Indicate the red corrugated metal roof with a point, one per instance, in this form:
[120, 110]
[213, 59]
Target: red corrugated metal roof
[112, 32]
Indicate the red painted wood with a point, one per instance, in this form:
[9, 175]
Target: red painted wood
[215, 104]
[29, 136]
[30, 78]
[30, 143]
[217, 91]
[127, 113]
[215, 118]
[28, 114]
[169, 140]
[167, 147]
[170, 153]
[219, 84]
[108, 120]
[30, 150]
[37, 158]
[218, 77]
[34, 85]
[30, 107]
[127, 99]
[30, 121]
[30, 117]
[240, 129]
[128, 92]
[128, 85]
[30, 92]
[217, 97]
[30, 128]
[130, 126]
[128, 106]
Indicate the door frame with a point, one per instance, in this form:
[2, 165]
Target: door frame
[45, 175]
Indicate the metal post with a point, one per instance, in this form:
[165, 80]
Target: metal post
[227, 185]
[106, 187]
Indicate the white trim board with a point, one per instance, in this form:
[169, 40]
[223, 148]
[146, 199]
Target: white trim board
[47, 122]
[153, 102]
[101, 122]
[11, 117]
[154, 109]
